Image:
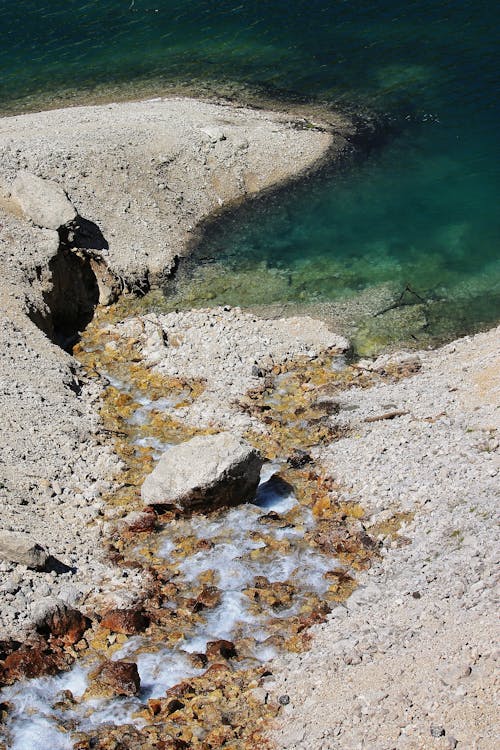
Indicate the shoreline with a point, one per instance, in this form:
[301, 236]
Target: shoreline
[110, 167]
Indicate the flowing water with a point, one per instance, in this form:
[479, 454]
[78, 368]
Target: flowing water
[251, 575]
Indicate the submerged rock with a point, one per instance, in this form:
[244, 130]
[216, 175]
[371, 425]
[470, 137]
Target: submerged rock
[203, 473]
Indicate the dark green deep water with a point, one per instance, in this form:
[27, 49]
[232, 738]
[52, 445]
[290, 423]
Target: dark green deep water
[421, 211]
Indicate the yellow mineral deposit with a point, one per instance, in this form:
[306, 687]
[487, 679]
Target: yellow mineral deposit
[292, 406]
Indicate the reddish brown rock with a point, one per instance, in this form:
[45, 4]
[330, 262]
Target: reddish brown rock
[315, 617]
[29, 662]
[141, 521]
[334, 538]
[199, 661]
[126, 621]
[67, 625]
[217, 649]
[114, 678]
[208, 598]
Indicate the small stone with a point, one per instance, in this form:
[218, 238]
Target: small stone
[221, 648]
[284, 700]
[437, 731]
[20, 548]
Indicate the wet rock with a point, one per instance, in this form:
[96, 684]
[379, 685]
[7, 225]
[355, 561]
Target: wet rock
[42, 201]
[126, 621]
[64, 700]
[274, 520]
[221, 648]
[203, 473]
[5, 708]
[114, 678]
[276, 594]
[199, 661]
[53, 618]
[140, 521]
[20, 548]
[29, 661]
[208, 598]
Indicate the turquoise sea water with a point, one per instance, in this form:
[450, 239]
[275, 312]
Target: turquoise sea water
[421, 211]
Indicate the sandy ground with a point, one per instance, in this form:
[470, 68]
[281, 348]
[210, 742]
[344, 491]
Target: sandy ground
[412, 660]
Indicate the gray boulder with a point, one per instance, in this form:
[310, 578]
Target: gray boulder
[204, 473]
[42, 201]
[20, 548]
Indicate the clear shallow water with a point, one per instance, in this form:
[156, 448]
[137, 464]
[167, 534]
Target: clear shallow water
[422, 211]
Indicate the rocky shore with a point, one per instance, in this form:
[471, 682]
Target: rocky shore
[140, 177]
[408, 660]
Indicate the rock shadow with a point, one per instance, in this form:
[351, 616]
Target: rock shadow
[79, 280]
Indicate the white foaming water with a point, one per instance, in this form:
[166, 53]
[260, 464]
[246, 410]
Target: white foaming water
[236, 535]
[225, 559]
[143, 414]
[158, 447]
[38, 733]
[34, 724]
[162, 670]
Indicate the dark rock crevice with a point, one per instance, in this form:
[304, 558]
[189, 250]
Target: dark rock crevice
[79, 280]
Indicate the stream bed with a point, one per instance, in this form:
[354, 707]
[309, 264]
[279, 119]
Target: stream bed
[223, 593]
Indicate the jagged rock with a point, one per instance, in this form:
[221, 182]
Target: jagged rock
[18, 547]
[115, 678]
[42, 201]
[29, 661]
[127, 621]
[222, 648]
[54, 618]
[203, 473]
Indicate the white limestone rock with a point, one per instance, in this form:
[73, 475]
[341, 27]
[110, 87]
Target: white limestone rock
[203, 473]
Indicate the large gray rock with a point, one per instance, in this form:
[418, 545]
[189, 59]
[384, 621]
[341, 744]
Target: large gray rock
[20, 548]
[42, 201]
[203, 473]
